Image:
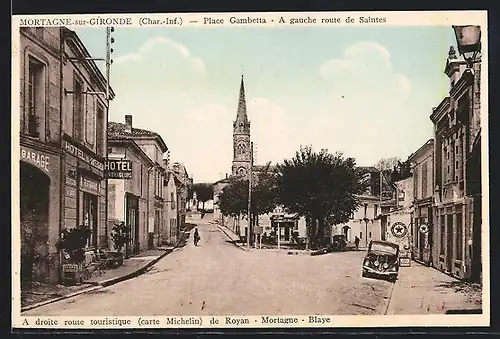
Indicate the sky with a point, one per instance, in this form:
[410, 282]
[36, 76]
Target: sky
[366, 92]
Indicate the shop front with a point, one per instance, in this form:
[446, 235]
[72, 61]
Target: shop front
[39, 204]
[423, 231]
[284, 228]
[132, 222]
[85, 192]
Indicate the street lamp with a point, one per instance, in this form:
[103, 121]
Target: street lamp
[468, 42]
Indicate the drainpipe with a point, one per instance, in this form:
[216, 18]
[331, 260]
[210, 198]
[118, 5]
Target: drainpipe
[62, 180]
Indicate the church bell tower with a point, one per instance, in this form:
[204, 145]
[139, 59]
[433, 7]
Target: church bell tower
[241, 137]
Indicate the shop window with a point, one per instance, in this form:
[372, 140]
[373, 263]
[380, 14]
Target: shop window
[90, 216]
[172, 201]
[35, 97]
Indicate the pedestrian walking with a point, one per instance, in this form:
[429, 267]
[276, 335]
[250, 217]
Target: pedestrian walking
[196, 236]
[356, 242]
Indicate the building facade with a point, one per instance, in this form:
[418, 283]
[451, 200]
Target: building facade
[84, 140]
[171, 232]
[363, 223]
[128, 197]
[422, 163]
[154, 147]
[457, 220]
[40, 168]
[184, 185]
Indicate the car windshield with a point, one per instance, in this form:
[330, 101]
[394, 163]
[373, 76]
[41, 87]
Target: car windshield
[383, 248]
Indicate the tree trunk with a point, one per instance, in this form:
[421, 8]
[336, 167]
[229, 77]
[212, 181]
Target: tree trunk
[313, 233]
[203, 205]
[321, 232]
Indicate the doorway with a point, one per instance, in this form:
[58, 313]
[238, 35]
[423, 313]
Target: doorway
[34, 210]
[449, 243]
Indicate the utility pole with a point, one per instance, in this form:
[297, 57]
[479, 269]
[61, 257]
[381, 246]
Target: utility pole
[249, 234]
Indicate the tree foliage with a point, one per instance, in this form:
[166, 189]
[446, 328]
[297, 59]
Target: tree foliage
[204, 192]
[73, 242]
[233, 200]
[321, 186]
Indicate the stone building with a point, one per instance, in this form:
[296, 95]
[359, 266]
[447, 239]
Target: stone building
[457, 173]
[40, 153]
[154, 147]
[128, 198]
[183, 185]
[422, 163]
[171, 231]
[363, 223]
[84, 140]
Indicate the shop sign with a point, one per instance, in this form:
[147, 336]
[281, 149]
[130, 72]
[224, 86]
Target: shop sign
[36, 158]
[81, 154]
[89, 185]
[118, 169]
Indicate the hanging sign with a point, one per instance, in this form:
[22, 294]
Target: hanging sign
[424, 229]
[118, 169]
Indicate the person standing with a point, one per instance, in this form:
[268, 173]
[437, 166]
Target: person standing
[196, 236]
[356, 242]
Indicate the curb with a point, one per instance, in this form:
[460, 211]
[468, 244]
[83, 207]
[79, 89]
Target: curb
[141, 270]
[50, 301]
[106, 283]
[233, 241]
[390, 303]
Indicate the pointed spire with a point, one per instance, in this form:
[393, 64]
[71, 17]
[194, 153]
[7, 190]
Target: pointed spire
[241, 115]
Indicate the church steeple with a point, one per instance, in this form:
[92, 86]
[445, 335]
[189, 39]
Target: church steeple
[241, 124]
[241, 137]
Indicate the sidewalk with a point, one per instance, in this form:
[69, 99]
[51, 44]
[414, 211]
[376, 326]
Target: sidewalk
[425, 290]
[235, 239]
[42, 294]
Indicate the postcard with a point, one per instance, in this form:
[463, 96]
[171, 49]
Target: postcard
[250, 170]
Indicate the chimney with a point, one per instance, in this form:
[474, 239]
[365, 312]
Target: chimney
[128, 123]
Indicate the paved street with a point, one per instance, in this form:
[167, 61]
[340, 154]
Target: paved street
[218, 278]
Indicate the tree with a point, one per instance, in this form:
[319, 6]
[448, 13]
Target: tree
[233, 200]
[393, 170]
[204, 192]
[321, 187]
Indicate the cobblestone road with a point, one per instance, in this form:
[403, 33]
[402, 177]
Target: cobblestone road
[217, 278]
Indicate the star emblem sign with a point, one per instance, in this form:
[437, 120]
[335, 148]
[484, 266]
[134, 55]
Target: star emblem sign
[399, 229]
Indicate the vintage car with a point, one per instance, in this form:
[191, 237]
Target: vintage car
[381, 260]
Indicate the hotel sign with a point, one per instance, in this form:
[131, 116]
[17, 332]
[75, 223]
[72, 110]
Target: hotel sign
[118, 169]
[81, 154]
